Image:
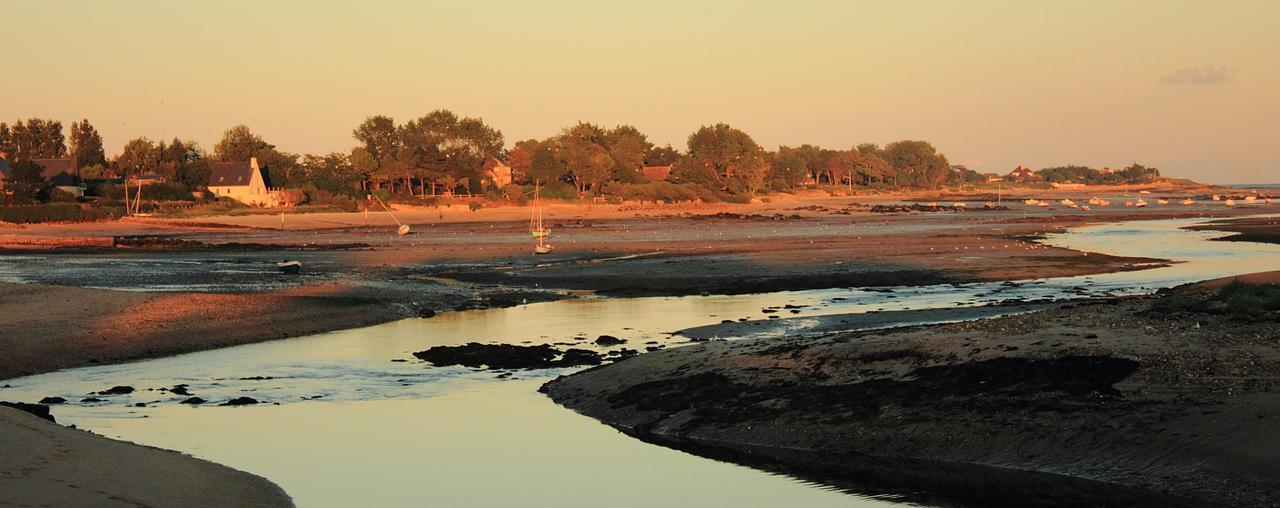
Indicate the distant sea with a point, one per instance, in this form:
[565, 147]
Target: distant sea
[1254, 185]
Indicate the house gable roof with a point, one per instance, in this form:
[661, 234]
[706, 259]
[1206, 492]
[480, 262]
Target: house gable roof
[60, 172]
[231, 174]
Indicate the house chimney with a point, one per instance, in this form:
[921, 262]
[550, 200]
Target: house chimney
[253, 161]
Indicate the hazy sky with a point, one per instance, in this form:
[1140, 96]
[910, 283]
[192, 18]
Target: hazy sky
[1190, 87]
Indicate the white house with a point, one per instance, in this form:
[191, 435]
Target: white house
[242, 181]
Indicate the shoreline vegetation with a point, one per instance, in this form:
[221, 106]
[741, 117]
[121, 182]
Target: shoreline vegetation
[443, 159]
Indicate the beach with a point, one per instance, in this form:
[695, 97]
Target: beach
[60, 466]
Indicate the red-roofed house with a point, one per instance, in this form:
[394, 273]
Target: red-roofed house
[1022, 173]
[656, 173]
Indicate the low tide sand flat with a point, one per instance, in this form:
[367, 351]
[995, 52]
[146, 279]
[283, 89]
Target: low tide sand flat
[45, 464]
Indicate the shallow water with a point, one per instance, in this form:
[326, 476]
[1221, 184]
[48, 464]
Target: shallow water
[342, 423]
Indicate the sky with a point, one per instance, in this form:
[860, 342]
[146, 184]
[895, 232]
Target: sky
[1190, 87]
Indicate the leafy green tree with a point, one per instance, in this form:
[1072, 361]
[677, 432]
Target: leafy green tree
[545, 166]
[364, 164]
[583, 151]
[627, 147]
[918, 163]
[86, 145]
[37, 139]
[661, 156]
[239, 144]
[26, 182]
[378, 134]
[723, 158]
[139, 156]
[6, 140]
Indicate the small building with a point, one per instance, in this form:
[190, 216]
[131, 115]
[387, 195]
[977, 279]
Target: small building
[1022, 174]
[497, 172]
[993, 178]
[656, 173]
[243, 181]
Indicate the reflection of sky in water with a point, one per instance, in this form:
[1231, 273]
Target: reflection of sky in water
[407, 433]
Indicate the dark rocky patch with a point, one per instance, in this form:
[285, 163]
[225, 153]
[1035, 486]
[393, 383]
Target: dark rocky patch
[240, 401]
[1062, 384]
[194, 401]
[117, 390]
[507, 356]
[179, 390]
[609, 340]
[90, 399]
[52, 400]
[36, 409]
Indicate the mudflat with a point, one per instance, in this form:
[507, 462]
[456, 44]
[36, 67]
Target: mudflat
[46, 464]
[1168, 395]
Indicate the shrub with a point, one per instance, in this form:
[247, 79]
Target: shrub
[150, 192]
[474, 205]
[323, 198]
[659, 191]
[1250, 299]
[57, 212]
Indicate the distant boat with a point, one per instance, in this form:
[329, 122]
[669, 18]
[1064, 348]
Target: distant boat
[1068, 202]
[1162, 201]
[289, 267]
[540, 232]
[1250, 199]
[1141, 203]
[1217, 197]
[1188, 202]
[1086, 208]
[1229, 202]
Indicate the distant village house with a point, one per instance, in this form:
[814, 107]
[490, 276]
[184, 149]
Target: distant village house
[656, 173]
[497, 172]
[242, 181]
[1022, 174]
[61, 173]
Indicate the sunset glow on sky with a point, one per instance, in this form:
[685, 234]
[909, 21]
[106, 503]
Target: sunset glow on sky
[1190, 87]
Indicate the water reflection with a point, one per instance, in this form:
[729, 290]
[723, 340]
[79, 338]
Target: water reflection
[349, 417]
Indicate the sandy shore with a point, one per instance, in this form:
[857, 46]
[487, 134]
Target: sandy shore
[1179, 404]
[45, 464]
[51, 327]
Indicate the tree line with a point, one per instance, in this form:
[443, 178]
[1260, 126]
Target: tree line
[443, 153]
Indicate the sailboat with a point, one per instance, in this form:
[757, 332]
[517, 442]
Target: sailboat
[539, 231]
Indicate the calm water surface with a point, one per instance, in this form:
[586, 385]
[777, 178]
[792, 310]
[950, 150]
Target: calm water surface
[343, 424]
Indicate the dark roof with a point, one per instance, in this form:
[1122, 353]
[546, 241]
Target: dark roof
[230, 173]
[59, 172]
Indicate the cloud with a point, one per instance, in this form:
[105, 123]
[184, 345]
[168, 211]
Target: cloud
[1206, 75]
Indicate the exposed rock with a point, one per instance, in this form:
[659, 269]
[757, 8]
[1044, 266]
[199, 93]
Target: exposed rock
[507, 356]
[117, 390]
[35, 409]
[179, 390]
[426, 313]
[90, 399]
[240, 401]
[609, 340]
[52, 400]
[194, 400]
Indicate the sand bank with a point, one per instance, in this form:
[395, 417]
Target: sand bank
[45, 464]
[1181, 404]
